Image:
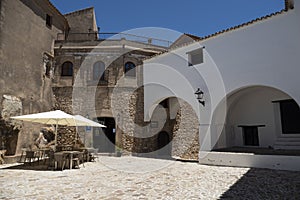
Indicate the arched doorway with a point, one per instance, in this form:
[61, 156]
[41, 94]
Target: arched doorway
[163, 144]
[104, 139]
[260, 117]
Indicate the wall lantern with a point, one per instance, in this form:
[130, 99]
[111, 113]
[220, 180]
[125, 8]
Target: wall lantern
[199, 95]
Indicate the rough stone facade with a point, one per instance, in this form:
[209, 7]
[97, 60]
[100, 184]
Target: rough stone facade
[186, 134]
[26, 54]
[115, 95]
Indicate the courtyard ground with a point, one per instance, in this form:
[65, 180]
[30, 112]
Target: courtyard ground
[144, 178]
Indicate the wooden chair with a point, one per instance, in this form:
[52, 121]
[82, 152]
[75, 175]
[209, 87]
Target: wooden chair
[77, 159]
[94, 155]
[23, 155]
[60, 160]
[29, 156]
[51, 160]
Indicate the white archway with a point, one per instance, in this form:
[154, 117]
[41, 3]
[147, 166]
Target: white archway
[256, 108]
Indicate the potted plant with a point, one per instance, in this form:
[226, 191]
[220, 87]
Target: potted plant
[118, 151]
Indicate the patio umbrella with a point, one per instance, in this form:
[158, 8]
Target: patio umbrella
[56, 118]
[82, 121]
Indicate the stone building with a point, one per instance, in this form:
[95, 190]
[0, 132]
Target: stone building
[28, 30]
[101, 76]
[53, 61]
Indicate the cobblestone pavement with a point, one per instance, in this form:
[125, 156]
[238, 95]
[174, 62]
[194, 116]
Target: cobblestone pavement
[144, 178]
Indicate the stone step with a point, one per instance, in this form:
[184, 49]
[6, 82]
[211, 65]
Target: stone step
[289, 147]
[288, 139]
[291, 142]
[295, 143]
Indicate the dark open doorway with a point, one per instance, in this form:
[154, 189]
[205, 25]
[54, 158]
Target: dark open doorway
[163, 144]
[250, 135]
[105, 139]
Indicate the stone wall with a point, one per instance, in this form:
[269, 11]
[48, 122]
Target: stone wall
[23, 71]
[133, 134]
[186, 134]
[121, 99]
[82, 25]
[63, 101]
[9, 129]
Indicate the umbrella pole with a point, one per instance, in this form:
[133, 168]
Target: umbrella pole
[55, 135]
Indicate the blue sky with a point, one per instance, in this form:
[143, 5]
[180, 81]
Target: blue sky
[197, 17]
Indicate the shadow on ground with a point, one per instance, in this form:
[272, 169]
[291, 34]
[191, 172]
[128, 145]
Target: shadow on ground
[262, 184]
[37, 166]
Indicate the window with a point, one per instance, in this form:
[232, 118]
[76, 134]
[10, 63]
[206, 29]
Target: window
[67, 69]
[99, 71]
[130, 69]
[48, 69]
[48, 21]
[195, 57]
[250, 135]
[290, 117]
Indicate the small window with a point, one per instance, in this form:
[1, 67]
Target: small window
[290, 117]
[250, 135]
[99, 71]
[195, 57]
[48, 69]
[67, 69]
[48, 21]
[130, 69]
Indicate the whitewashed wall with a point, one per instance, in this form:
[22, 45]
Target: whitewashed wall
[266, 53]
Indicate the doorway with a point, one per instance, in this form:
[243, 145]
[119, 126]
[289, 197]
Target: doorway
[250, 134]
[104, 139]
[163, 146]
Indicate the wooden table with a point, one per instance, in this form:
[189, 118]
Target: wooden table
[71, 153]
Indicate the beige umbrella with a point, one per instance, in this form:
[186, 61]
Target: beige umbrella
[82, 121]
[56, 118]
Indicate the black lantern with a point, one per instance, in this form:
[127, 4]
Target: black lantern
[199, 95]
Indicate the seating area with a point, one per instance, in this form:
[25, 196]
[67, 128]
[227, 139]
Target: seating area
[64, 157]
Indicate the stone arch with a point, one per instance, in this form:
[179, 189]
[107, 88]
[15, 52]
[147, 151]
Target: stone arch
[182, 127]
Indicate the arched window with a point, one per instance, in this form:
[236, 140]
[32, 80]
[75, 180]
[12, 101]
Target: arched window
[67, 69]
[99, 71]
[130, 69]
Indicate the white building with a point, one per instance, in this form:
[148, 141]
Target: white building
[249, 76]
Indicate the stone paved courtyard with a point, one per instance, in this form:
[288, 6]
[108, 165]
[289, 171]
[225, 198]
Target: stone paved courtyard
[144, 178]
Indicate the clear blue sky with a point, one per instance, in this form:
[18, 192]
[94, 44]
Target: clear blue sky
[198, 17]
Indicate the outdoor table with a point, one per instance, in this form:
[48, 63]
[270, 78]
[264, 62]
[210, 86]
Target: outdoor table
[59, 159]
[70, 156]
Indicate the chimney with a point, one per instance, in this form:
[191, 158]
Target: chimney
[289, 4]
